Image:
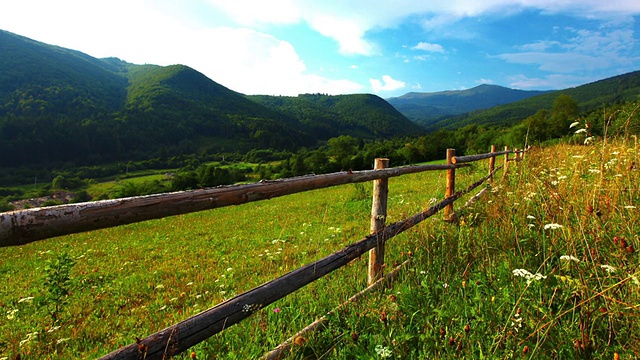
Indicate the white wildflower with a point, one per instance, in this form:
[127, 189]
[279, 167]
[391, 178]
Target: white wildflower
[588, 140]
[229, 269]
[608, 268]
[11, 314]
[383, 351]
[580, 131]
[527, 275]
[29, 299]
[629, 207]
[531, 217]
[53, 329]
[569, 258]
[553, 226]
[162, 308]
[60, 341]
[574, 124]
[531, 226]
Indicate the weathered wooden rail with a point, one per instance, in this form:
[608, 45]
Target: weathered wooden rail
[24, 226]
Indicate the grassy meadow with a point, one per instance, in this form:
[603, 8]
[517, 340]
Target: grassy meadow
[545, 265]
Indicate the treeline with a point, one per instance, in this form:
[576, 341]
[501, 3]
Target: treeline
[562, 123]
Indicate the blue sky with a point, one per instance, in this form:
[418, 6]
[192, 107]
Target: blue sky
[287, 47]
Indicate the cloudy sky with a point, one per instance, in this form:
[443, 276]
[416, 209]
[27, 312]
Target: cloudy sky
[287, 47]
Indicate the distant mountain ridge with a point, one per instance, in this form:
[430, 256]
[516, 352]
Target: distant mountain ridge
[427, 108]
[625, 87]
[59, 105]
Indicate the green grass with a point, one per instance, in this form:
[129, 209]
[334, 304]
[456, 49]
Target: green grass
[457, 298]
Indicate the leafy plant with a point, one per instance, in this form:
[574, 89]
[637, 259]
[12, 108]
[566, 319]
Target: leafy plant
[56, 281]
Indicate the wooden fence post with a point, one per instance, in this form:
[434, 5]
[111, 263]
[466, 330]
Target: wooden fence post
[378, 218]
[492, 163]
[506, 162]
[451, 184]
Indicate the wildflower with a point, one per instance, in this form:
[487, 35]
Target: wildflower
[445, 285]
[588, 140]
[531, 217]
[569, 258]
[11, 314]
[53, 329]
[574, 124]
[60, 341]
[608, 268]
[580, 131]
[553, 226]
[29, 299]
[527, 275]
[383, 351]
[277, 310]
[629, 207]
[229, 269]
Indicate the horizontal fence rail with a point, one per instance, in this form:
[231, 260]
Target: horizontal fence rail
[25, 226]
[189, 332]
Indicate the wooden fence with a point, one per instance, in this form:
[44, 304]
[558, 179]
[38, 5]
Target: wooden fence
[24, 226]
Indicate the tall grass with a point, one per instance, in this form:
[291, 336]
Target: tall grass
[545, 266]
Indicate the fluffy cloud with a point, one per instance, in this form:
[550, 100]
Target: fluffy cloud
[242, 59]
[387, 84]
[583, 50]
[348, 21]
[429, 47]
[553, 81]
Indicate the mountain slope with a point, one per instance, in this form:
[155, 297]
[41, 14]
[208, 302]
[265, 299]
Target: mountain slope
[359, 115]
[62, 106]
[589, 96]
[425, 108]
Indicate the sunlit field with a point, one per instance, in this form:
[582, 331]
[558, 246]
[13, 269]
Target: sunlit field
[544, 265]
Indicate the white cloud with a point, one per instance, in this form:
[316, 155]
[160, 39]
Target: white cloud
[387, 84]
[429, 47]
[242, 59]
[584, 50]
[552, 82]
[484, 81]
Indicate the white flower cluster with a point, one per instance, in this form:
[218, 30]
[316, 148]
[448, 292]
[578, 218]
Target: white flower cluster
[383, 351]
[569, 258]
[527, 275]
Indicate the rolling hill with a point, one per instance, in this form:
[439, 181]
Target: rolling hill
[625, 87]
[62, 106]
[427, 108]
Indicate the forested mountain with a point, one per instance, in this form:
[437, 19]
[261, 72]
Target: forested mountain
[360, 115]
[426, 108]
[612, 90]
[59, 105]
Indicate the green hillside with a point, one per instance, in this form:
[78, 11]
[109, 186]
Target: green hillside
[60, 106]
[360, 115]
[427, 108]
[590, 96]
